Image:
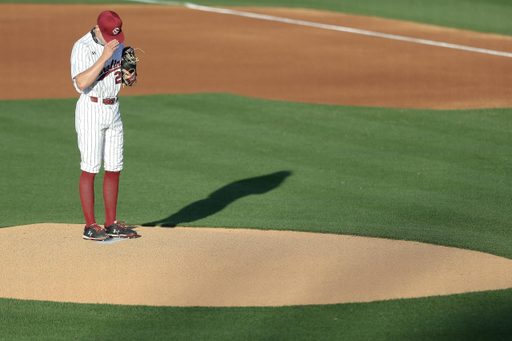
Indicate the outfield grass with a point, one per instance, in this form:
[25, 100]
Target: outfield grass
[491, 16]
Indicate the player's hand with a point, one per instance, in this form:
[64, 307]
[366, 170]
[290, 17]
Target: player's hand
[127, 74]
[130, 79]
[110, 47]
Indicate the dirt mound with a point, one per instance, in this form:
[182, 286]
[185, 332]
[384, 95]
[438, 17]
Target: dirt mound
[234, 267]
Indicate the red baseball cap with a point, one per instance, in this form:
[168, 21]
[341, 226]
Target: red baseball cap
[111, 26]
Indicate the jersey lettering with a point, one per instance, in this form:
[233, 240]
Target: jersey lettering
[85, 53]
[118, 77]
[114, 65]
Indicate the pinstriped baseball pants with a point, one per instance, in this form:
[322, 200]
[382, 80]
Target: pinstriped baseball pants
[100, 135]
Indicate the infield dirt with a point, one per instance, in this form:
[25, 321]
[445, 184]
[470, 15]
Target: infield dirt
[190, 51]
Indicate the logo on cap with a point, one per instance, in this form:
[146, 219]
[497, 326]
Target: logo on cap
[110, 26]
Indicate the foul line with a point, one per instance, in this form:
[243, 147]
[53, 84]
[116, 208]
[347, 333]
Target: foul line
[327, 27]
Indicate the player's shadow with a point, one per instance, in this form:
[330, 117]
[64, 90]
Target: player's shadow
[222, 197]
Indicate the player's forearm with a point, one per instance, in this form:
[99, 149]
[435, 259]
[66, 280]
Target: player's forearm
[89, 76]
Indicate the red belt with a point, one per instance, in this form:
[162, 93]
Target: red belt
[105, 101]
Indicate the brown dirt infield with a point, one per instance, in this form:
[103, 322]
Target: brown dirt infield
[189, 51]
[235, 267]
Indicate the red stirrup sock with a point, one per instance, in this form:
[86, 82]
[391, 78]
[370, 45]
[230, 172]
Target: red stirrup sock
[110, 192]
[86, 189]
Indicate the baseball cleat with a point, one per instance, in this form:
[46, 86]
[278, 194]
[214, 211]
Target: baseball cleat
[95, 232]
[117, 229]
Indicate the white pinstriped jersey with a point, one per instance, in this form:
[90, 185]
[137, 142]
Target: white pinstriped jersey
[98, 125]
[86, 52]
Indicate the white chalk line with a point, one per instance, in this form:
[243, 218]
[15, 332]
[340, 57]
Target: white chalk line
[327, 27]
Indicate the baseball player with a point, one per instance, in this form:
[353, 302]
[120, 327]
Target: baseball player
[97, 76]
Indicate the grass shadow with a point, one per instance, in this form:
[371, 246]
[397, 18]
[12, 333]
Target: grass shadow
[222, 197]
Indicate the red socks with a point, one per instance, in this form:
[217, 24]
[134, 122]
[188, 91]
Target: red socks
[86, 188]
[110, 193]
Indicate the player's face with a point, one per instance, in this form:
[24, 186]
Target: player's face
[99, 35]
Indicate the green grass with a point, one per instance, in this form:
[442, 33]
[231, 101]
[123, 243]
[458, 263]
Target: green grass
[435, 176]
[223, 160]
[475, 316]
[479, 15]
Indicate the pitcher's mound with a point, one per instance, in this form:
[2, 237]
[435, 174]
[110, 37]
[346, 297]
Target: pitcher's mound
[234, 267]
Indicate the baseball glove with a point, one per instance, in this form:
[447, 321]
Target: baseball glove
[129, 63]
